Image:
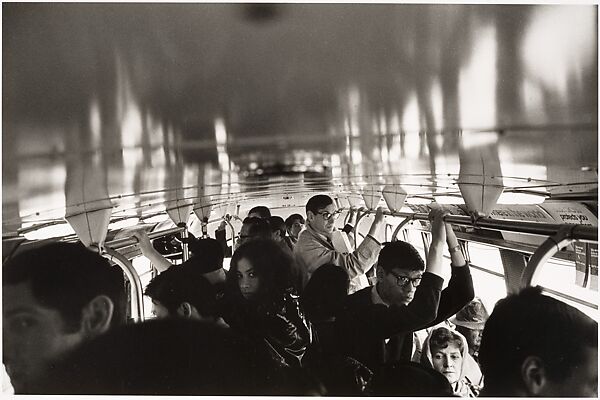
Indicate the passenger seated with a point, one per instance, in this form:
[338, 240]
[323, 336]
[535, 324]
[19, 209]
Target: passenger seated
[376, 324]
[260, 301]
[293, 225]
[166, 357]
[315, 247]
[181, 293]
[535, 345]
[55, 297]
[410, 379]
[470, 321]
[445, 351]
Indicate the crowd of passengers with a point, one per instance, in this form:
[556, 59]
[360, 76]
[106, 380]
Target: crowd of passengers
[293, 315]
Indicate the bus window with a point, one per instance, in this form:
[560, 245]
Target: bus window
[487, 273]
[557, 277]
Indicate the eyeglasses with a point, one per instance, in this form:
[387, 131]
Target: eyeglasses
[403, 280]
[327, 215]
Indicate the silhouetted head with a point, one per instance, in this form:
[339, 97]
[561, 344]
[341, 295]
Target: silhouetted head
[185, 293]
[535, 345]
[165, 357]
[325, 292]
[207, 259]
[253, 228]
[54, 297]
[260, 212]
[410, 379]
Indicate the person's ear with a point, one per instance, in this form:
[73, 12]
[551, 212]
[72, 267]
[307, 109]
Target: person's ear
[97, 315]
[310, 216]
[533, 374]
[184, 310]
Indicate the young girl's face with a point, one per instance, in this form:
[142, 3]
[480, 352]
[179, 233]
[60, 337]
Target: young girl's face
[248, 280]
[448, 361]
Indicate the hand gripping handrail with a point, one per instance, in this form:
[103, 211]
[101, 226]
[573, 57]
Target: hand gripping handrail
[130, 241]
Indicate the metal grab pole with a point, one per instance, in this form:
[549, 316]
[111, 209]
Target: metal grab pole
[137, 309]
[563, 238]
[359, 216]
[184, 242]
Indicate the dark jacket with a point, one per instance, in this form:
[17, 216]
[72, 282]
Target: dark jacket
[362, 326]
[281, 327]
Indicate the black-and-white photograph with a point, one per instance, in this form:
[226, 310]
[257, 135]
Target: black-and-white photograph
[300, 199]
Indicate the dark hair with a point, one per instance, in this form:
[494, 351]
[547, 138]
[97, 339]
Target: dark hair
[318, 202]
[207, 256]
[177, 285]
[164, 357]
[410, 379]
[262, 211]
[289, 221]
[442, 337]
[531, 324]
[325, 292]
[258, 227]
[402, 255]
[277, 225]
[272, 265]
[66, 277]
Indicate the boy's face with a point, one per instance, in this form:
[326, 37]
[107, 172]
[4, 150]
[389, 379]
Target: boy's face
[32, 335]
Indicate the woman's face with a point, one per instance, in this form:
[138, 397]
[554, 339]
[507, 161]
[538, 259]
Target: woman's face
[247, 279]
[448, 361]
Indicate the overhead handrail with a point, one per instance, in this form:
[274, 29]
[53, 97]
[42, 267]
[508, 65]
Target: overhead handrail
[136, 294]
[554, 243]
[584, 233]
[400, 226]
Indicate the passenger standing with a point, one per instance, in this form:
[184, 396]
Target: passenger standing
[377, 323]
[55, 297]
[261, 303]
[315, 247]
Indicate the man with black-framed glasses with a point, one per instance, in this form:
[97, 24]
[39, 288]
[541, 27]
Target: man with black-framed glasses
[377, 323]
[315, 246]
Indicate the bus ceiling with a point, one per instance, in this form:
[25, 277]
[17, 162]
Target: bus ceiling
[137, 112]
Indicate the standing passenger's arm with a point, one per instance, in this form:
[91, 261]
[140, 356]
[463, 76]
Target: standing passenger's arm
[158, 261]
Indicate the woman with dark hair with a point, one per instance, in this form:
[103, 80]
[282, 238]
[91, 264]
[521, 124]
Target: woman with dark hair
[261, 302]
